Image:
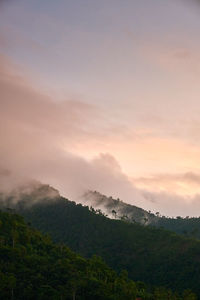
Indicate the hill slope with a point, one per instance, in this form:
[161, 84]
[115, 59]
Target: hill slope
[155, 256]
[33, 268]
[118, 209]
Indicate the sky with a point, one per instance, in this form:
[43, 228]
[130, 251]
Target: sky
[103, 95]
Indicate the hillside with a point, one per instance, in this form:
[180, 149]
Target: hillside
[117, 209]
[155, 256]
[33, 268]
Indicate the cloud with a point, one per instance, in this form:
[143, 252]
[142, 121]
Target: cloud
[172, 194]
[30, 120]
[181, 184]
[39, 137]
[175, 56]
[171, 204]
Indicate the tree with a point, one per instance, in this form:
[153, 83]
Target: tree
[114, 213]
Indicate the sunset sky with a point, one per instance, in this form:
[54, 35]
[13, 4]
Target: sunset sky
[103, 95]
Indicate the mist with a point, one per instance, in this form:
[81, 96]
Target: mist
[39, 138]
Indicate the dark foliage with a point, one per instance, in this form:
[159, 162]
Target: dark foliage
[32, 267]
[155, 256]
[189, 227]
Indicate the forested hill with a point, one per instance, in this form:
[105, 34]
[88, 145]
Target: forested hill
[189, 227]
[33, 268]
[155, 256]
[117, 209]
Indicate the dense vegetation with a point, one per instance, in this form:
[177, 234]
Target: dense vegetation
[189, 227]
[154, 256]
[32, 267]
[115, 208]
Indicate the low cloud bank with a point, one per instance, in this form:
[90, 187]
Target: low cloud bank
[38, 136]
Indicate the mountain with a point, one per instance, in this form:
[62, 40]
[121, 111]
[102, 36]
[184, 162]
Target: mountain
[153, 255]
[118, 209]
[34, 268]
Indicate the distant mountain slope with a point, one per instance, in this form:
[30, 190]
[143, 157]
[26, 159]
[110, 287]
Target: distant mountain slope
[155, 256]
[189, 227]
[33, 268]
[118, 209]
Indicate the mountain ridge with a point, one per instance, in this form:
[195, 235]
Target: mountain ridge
[118, 209]
[152, 255]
